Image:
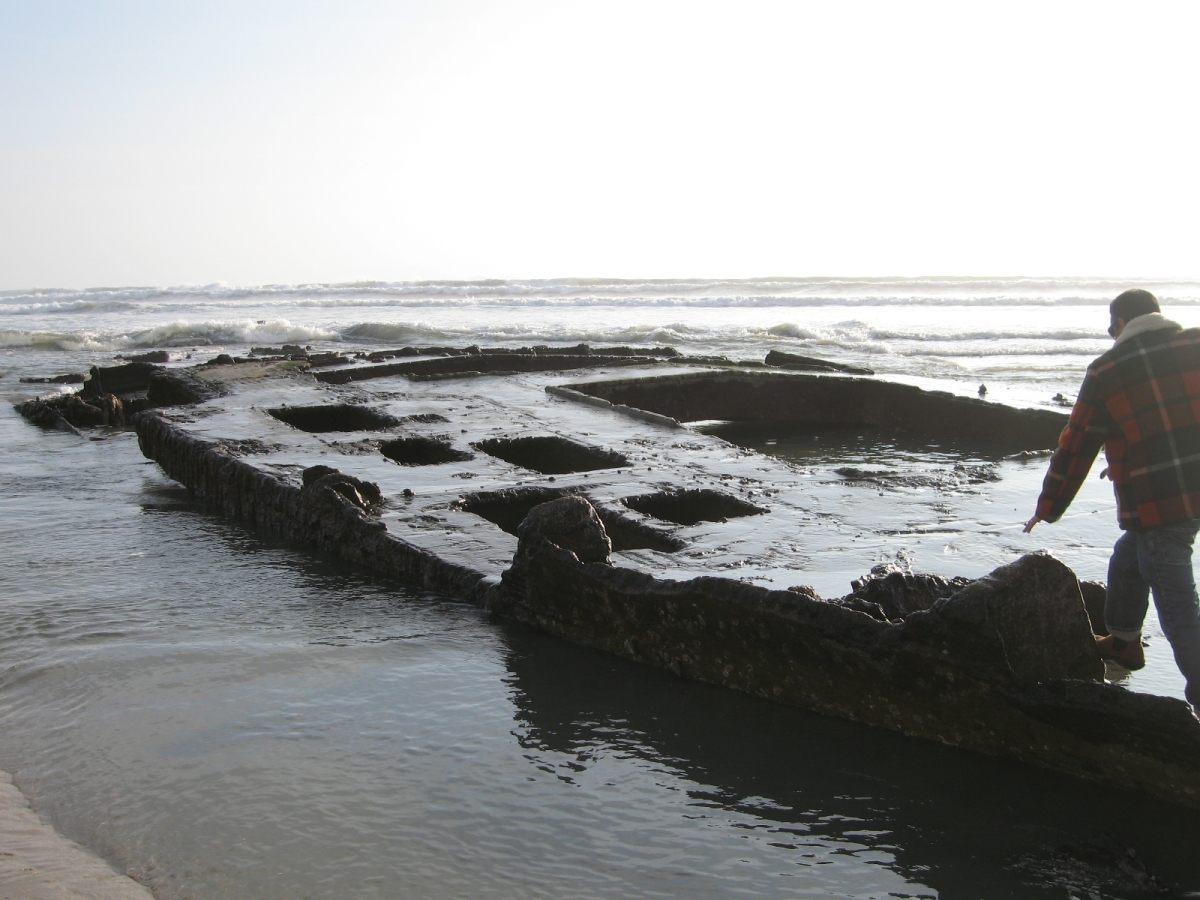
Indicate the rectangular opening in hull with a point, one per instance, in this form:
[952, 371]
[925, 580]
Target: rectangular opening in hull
[333, 417]
[692, 507]
[422, 451]
[551, 455]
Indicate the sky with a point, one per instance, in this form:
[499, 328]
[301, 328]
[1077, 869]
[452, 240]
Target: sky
[252, 142]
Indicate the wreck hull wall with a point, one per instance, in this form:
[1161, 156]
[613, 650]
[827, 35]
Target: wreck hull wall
[319, 519]
[491, 364]
[831, 400]
[770, 644]
[830, 660]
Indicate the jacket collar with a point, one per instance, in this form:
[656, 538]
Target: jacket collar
[1142, 324]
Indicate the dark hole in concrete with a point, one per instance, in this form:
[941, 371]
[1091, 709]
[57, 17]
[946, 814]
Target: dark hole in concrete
[627, 533]
[551, 455]
[508, 509]
[422, 451]
[690, 507]
[333, 417]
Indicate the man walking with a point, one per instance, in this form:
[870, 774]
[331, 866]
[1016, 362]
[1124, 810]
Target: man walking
[1141, 401]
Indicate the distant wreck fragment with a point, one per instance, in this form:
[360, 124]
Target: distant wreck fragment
[565, 506]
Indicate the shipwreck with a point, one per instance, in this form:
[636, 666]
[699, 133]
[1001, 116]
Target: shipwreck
[586, 508]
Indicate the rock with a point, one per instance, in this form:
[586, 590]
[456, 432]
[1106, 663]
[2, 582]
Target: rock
[872, 609]
[222, 359]
[154, 356]
[313, 473]
[1095, 593]
[571, 523]
[363, 494]
[805, 590]
[899, 593]
[349, 491]
[1025, 620]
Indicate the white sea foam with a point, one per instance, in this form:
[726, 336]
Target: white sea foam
[1018, 331]
[750, 293]
[69, 306]
[170, 334]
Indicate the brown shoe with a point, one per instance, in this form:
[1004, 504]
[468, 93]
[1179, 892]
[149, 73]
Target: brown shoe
[1127, 654]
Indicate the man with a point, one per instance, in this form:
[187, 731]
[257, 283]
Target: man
[1141, 401]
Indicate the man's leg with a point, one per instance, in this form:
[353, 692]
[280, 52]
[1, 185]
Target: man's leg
[1128, 591]
[1166, 557]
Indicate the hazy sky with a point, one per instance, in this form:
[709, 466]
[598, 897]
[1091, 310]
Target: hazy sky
[253, 142]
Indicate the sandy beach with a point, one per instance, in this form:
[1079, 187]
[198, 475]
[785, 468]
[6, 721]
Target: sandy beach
[37, 863]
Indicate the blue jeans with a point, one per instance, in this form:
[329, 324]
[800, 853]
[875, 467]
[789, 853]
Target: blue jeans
[1158, 560]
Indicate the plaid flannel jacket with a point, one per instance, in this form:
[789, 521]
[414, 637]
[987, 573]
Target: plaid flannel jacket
[1141, 401]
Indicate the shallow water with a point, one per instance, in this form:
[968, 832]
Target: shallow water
[226, 716]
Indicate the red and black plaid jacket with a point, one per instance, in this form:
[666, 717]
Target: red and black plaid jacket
[1141, 401]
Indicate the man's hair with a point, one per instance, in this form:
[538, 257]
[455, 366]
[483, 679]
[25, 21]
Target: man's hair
[1132, 304]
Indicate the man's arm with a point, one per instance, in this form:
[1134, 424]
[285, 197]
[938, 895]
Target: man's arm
[1080, 441]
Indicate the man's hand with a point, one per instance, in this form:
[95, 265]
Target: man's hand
[1029, 525]
[1104, 473]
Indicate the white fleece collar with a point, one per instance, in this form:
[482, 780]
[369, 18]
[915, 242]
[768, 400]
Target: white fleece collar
[1142, 324]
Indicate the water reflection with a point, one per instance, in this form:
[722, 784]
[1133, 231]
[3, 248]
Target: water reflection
[804, 790]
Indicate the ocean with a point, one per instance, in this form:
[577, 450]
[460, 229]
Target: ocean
[226, 716]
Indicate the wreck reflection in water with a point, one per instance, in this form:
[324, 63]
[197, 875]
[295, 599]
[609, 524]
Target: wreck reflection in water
[806, 791]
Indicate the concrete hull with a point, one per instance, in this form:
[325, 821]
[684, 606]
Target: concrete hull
[937, 675]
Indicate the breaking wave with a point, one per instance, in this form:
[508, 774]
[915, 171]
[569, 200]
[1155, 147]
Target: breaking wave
[850, 335]
[171, 334]
[755, 292]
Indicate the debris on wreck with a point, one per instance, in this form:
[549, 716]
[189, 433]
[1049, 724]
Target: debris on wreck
[70, 412]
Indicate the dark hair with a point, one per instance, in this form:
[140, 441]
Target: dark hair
[1132, 304]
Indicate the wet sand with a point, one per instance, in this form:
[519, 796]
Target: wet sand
[37, 863]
